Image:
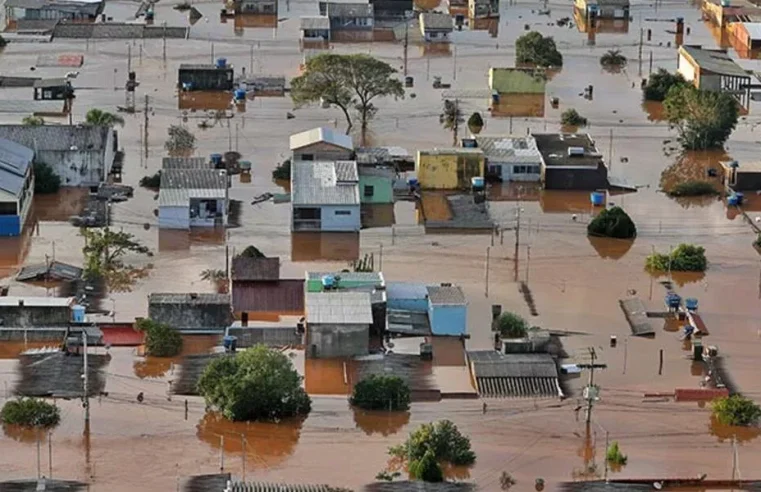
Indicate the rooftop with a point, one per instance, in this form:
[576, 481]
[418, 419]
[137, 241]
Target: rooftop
[203, 66]
[406, 290]
[451, 151]
[514, 375]
[186, 163]
[514, 149]
[339, 308]
[57, 82]
[714, 60]
[57, 137]
[15, 160]
[554, 148]
[442, 295]
[193, 179]
[341, 9]
[324, 183]
[369, 277]
[436, 20]
[317, 135]
[314, 22]
[753, 29]
[279, 296]
[247, 268]
[7, 301]
[517, 80]
[191, 298]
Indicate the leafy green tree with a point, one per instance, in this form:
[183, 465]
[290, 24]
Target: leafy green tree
[694, 188]
[283, 170]
[180, 141]
[506, 481]
[683, 258]
[3, 42]
[252, 251]
[538, 50]
[98, 117]
[510, 325]
[613, 59]
[426, 468]
[736, 410]
[45, 179]
[349, 82]
[33, 120]
[104, 250]
[612, 222]
[614, 456]
[381, 392]
[659, 84]
[161, 340]
[475, 123]
[451, 118]
[704, 119]
[30, 412]
[442, 438]
[256, 384]
[571, 117]
[153, 181]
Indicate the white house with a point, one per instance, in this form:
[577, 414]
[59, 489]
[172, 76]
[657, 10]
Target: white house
[325, 196]
[193, 198]
[16, 186]
[510, 158]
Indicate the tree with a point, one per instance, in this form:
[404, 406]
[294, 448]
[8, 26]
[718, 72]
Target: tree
[104, 249]
[736, 410]
[613, 59]
[251, 251]
[45, 179]
[3, 42]
[451, 117]
[33, 120]
[153, 181]
[506, 481]
[283, 170]
[683, 258]
[180, 140]
[704, 119]
[98, 117]
[510, 325]
[161, 340]
[571, 117]
[475, 123]
[612, 222]
[442, 438]
[659, 84]
[349, 82]
[426, 468]
[381, 392]
[30, 412]
[694, 188]
[614, 456]
[217, 278]
[257, 384]
[538, 50]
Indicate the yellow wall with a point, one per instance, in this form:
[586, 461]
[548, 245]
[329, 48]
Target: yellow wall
[439, 171]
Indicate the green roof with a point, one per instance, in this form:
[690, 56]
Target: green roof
[516, 81]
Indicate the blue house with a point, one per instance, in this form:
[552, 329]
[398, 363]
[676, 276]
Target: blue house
[404, 296]
[447, 310]
[325, 196]
[16, 186]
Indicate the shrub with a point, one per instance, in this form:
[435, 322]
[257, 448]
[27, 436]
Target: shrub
[659, 84]
[475, 122]
[180, 140]
[381, 392]
[30, 412]
[45, 179]
[736, 410]
[257, 384]
[426, 468]
[442, 438]
[694, 188]
[683, 258]
[757, 242]
[283, 170]
[160, 340]
[613, 59]
[510, 325]
[506, 481]
[32, 120]
[614, 456]
[252, 252]
[613, 222]
[3, 42]
[538, 50]
[571, 117]
[153, 181]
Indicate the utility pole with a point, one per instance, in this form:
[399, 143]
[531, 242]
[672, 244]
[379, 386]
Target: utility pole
[528, 256]
[251, 61]
[650, 68]
[39, 472]
[145, 127]
[734, 459]
[486, 274]
[236, 137]
[129, 58]
[590, 392]
[380, 260]
[164, 38]
[243, 455]
[641, 33]
[212, 53]
[50, 454]
[456, 128]
[221, 454]
[406, 40]
[454, 63]
[86, 381]
[610, 150]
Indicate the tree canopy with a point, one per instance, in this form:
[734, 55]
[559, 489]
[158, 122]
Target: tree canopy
[33, 120]
[683, 258]
[45, 179]
[381, 392]
[30, 412]
[659, 84]
[451, 117]
[571, 117]
[104, 249]
[736, 410]
[160, 340]
[349, 82]
[538, 50]
[704, 119]
[282, 170]
[153, 181]
[475, 123]
[180, 141]
[612, 222]
[510, 325]
[98, 117]
[255, 384]
[613, 60]
[694, 188]
[426, 468]
[251, 251]
[441, 438]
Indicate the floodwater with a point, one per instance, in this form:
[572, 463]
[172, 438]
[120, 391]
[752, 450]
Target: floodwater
[575, 282]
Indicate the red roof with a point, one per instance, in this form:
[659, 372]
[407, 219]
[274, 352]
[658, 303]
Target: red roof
[121, 335]
[699, 394]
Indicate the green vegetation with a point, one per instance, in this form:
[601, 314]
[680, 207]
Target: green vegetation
[506, 481]
[251, 252]
[256, 384]
[442, 438]
[613, 59]
[426, 468]
[98, 117]
[614, 456]
[160, 340]
[30, 412]
[45, 179]
[694, 188]
[683, 258]
[384, 392]
[180, 141]
[349, 82]
[613, 222]
[510, 325]
[571, 117]
[283, 170]
[736, 410]
[757, 242]
[364, 264]
[153, 181]
[217, 278]
[475, 123]
[103, 251]
[451, 118]
[538, 50]
[32, 120]
[704, 119]
[659, 84]
[3, 42]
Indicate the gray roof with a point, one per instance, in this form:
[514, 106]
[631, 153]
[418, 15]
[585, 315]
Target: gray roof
[715, 60]
[324, 183]
[554, 149]
[317, 135]
[436, 20]
[402, 290]
[186, 163]
[334, 9]
[213, 179]
[57, 137]
[199, 66]
[15, 160]
[379, 172]
[172, 298]
[510, 149]
[496, 365]
[339, 308]
[446, 295]
[277, 487]
[368, 277]
[179, 197]
[314, 22]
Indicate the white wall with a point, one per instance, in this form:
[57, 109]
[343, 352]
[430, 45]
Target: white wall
[68, 165]
[685, 68]
[174, 217]
[347, 219]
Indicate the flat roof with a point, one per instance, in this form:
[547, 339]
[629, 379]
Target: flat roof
[753, 29]
[324, 183]
[314, 22]
[177, 197]
[446, 295]
[714, 60]
[450, 151]
[517, 80]
[554, 149]
[368, 277]
[188, 298]
[56, 82]
[436, 20]
[339, 307]
[513, 149]
[8, 301]
[322, 134]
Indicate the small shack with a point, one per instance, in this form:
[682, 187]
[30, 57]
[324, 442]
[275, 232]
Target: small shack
[325, 196]
[338, 324]
[193, 198]
[509, 158]
[449, 168]
[482, 9]
[263, 85]
[447, 310]
[206, 77]
[256, 7]
[714, 70]
[16, 186]
[315, 28]
[30, 311]
[258, 288]
[191, 312]
[376, 185]
[321, 144]
[500, 375]
[603, 9]
[517, 91]
[53, 89]
[436, 26]
[349, 22]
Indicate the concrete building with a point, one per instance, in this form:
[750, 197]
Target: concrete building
[436, 26]
[193, 198]
[745, 177]
[338, 324]
[258, 288]
[20, 312]
[315, 28]
[481, 9]
[191, 312]
[407, 296]
[571, 162]
[349, 21]
[205, 77]
[447, 310]
[391, 10]
[325, 196]
[257, 7]
[52, 10]
[746, 38]
[321, 144]
[449, 168]
[603, 9]
[509, 158]
[16, 186]
[517, 91]
[52, 89]
[376, 185]
[322, 281]
[724, 13]
[80, 155]
[714, 70]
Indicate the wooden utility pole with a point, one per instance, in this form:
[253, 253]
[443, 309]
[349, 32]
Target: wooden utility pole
[486, 274]
[50, 454]
[650, 68]
[610, 151]
[39, 470]
[591, 393]
[164, 39]
[145, 127]
[221, 454]
[86, 380]
[641, 33]
[406, 41]
[243, 454]
[251, 61]
[129, 58]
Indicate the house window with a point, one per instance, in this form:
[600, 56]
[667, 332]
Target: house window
[369, 190]
[343, 212]
[7, 208]
[307, 157]
[535, 170]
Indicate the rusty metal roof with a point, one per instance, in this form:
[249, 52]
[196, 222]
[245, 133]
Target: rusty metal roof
[247, 268]
[281, 296]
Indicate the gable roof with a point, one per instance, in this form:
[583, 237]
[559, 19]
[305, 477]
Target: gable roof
[714, 60]
[436, 20]
[246, 268]
[186, 163]
[214, 179]
[15, 160]
[446, 295]
[339, 307]
[324, 183]
[322, 134]
[346, 9]
[57, 137]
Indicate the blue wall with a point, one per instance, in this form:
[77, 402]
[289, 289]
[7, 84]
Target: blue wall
[448, 320]
[417, 305]
[347, 220]
[10, 225]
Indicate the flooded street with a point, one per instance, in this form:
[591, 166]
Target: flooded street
[575, 281]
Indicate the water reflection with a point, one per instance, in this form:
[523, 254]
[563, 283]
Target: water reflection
[435, 49]
[58, 207]
[655, 111]
[522, 105]
[24, 434]
[727, 432]
[205, 100]
[680, 279]
[267, 443]
[153, 367]
[383, 423]
[157, 367]
[694, 166]
[609, 248]
[327, 376]
[329, 246]
[378, 215]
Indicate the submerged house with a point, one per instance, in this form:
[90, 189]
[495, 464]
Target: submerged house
[338, 324]
[436, 26]
[349, 21]
[258, 288]
[481, 9]
[206, 77]
[314, 28]
[714, 70]
[23, 312]
[444, 306]
[449, 168]
[571, 162]
[603, 9]
[517, 91]
[191, 312]
[53, 89]
[376, 185]
[193, 198]
[256, 7]
[16, 186]
[325, 196]
[321, 144]
[509, 158]
[742, 177]
[52, 10]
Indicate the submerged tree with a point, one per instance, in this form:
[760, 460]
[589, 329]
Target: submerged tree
[98, 117]
[451, 118]
[104, 250]
[180, 141]
[30, 412]
[251, 251]
[381, 392]
[614, 456]
[511, 325]
[704, 119]
[571, 117]
[161, 340]
[475, 123]
[612, 222]
[659, 84]
[283, 170]
[442, 438]
[736, 410]
[45, 179]
[613, 59]
[683, 258]
[538, 50]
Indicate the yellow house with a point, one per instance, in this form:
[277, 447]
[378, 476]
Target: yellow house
[448, 169]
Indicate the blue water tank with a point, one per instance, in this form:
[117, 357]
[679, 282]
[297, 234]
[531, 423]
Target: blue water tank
[328, 281]
[725, 3]
[597, 198]
[413, 182]
[230, 343]
[477, 182]
[149, 14]
[221, 62]
[673, 300]
[691, 304]
[732, 200]
[240, 94]
[78, 313]
[495, 97]
[740, 198]
[216, 159]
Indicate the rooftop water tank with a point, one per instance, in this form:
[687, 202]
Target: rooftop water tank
[725, 3]
[328, 281]
[216, 159]
[673, 300]
[477, 182]
[78, 313]
[240, 94]
[597, 198]
[230, 343]
[691, 304]
[221, 62]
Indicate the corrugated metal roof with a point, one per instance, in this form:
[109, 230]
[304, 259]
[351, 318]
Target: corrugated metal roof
[339, 308]
[314, 22]
[402, 290]
[346, 9]
[56, 137]
[194, 178]
[186, 163]
[11, 183]
[246, 268]
[55, 270]
[181, 197]
[436, 20]
[514, 375]
[450, 151]
[282, 296]
[317, 135]
[7, 301]
[317, 183]
[190, 298]
[277, 487]
[512, 149]
[14, 157]
[714, 60]
[446, 295]
[367, 277]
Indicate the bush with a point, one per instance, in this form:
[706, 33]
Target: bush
[613, 59]
[3, 42]
[506, 481]
[684, 258]
[538, 50]
[659, 84]
[30, 412]
[257, 384]
[694, 188]
[426, 468]
[160, 340]
[612, 222]
[614, 456]
[252, 252]
[32, 120]
[443, 439]
[510, 325]
[571, 117]
[736, 410]
[45, 179]
[381, 393]
[475, 122]
[757, 242]
[180, 140]
[283, 170]
[153, 181]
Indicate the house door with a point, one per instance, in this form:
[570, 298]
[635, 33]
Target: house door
[495, 171]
